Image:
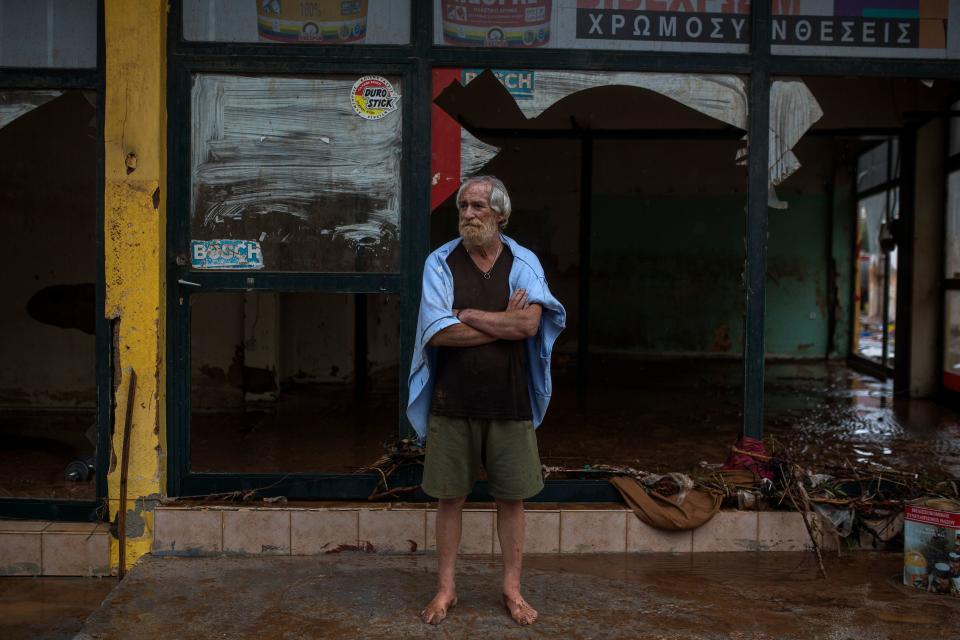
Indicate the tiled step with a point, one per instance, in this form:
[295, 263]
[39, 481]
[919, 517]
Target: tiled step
[410, 528]
[35, 548]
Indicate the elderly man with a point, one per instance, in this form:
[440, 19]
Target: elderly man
[480, 382]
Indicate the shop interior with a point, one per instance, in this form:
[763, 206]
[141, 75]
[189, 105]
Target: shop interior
[648, 373]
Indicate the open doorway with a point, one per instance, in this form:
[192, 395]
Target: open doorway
[875, 279]
[649, 371]
[629, 190]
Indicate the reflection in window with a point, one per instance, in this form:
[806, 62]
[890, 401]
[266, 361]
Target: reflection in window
[951, 365]
[953, 226]
[288, 163]
[877, 275]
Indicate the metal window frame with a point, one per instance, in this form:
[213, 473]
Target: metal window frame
[951, 166]
[418, 58]
[89, 79]
[881, 370]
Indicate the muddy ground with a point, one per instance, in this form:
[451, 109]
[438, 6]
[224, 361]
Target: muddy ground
[732, 596]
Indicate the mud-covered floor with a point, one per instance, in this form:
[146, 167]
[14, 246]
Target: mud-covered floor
[733, 596]
[35, 449]
[670, 415]
[48, 608]
[666, 415]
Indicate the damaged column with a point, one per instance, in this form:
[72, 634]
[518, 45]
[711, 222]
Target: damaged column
[134, 224]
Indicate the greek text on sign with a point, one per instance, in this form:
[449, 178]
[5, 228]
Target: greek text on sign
[850, 23]
[373, 97]
[226, 254]
[519, 83]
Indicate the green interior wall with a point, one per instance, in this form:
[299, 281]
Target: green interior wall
[667, 245]
[667, 275]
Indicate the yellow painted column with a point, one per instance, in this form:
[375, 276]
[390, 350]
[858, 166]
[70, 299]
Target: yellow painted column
[135, 229]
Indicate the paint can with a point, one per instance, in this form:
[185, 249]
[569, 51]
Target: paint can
[915, 570]
[931, 545]
[940, 578]
[496, 23]
[954, 559]
[312, 21]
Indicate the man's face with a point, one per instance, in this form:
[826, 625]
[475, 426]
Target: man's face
[479, 223]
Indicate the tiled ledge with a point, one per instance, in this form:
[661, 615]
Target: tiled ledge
[34, 548]
[399, 528]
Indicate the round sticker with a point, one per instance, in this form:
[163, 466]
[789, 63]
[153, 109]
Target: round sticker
[373, 97]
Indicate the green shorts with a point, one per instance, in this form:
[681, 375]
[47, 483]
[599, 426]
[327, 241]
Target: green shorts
[458, 447]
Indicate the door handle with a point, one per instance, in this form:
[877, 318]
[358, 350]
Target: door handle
[187, 283]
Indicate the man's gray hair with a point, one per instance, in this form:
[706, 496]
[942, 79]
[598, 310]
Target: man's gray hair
[499, 198]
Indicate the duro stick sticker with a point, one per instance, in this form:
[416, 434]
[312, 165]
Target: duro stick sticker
[373, 97]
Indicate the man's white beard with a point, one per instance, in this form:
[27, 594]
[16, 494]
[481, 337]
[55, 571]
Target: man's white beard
[478, 235]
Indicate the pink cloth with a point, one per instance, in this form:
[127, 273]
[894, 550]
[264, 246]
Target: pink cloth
[750, 454]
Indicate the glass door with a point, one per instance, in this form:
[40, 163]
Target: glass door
[285, 285]
[951, 324]
[875, 275]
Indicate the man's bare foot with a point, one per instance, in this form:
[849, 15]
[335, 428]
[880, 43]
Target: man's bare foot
[436, 611]
[518, 608]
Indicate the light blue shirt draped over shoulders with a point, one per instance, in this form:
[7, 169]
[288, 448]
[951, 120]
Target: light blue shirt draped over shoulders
[436, 314]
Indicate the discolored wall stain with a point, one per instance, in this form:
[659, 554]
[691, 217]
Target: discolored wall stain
[250, 379]
[721, 339]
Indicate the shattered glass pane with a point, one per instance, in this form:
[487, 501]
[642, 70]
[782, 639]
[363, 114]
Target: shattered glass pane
[59, 34]
[14, 104]
[322, 22]
[290, 164]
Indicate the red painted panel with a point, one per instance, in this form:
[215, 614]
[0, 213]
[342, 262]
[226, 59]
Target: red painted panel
[444, 143]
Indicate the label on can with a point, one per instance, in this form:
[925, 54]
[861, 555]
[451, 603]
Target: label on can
[318, 21]
[373, 97]
[496, 23]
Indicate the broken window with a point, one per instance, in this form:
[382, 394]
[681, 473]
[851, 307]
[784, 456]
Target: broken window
[628, 188]
[290, 176]
[302, 22]
[48, 190]
[48, 33]
[292, 382]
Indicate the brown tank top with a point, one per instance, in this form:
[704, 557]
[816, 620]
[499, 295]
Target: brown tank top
[490, 380]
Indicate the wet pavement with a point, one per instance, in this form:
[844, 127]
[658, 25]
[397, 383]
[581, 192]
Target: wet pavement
[732, 596]
[48, 608]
